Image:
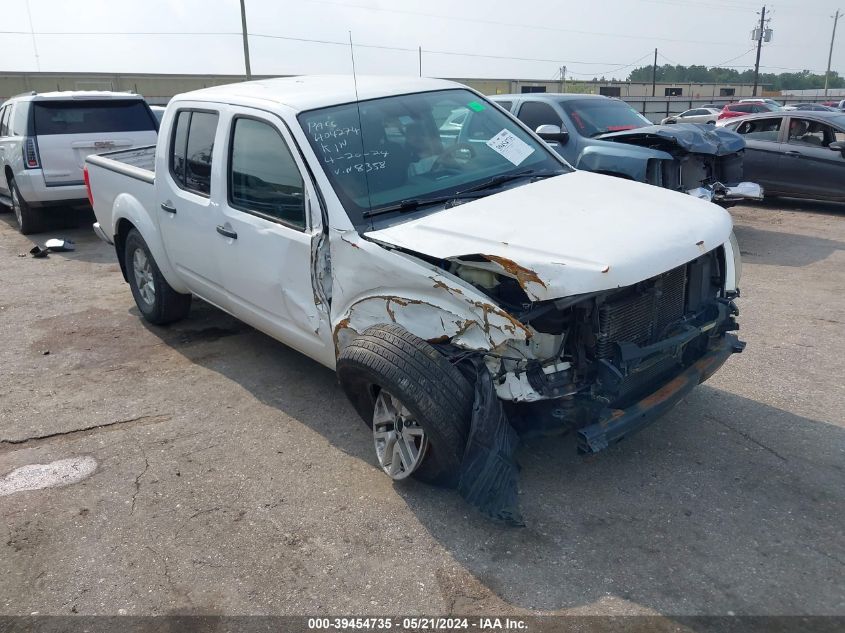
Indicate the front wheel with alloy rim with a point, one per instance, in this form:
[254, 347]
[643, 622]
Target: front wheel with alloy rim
[29, 220]
[418, 403]
[156, 299]
[401, 443]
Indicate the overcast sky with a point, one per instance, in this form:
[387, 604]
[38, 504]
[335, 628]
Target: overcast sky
[592, 37]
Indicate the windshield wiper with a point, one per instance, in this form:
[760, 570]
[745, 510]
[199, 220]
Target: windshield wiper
[413, 204]
[501, 179]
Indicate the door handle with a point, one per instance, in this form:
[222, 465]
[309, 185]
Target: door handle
[793, 153]
[227, 232]
[166, 206]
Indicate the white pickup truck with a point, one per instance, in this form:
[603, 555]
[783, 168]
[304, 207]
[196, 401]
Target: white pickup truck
[415, 237]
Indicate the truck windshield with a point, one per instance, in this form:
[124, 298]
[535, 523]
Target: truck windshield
[92, 117]
[409, 151]
[593, 117]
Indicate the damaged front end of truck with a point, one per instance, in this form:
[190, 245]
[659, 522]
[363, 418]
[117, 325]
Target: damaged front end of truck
[554, 344]
[594, 362]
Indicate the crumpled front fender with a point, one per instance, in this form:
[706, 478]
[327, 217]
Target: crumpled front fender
[374, 285]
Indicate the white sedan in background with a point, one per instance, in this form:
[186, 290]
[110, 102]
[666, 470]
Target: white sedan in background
[696, 115]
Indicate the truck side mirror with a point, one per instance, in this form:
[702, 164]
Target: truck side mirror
[838, 146]
[552, 133]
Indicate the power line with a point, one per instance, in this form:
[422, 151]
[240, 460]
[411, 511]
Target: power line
[539, 27]
[720, 65]
[613, 70]
[667, 59]
[121, 33]
[745, 8]
[615, 66]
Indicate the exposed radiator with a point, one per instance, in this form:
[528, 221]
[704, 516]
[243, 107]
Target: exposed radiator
[642, 316]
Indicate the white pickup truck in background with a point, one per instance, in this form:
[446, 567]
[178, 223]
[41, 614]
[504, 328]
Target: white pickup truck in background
[45, 138]
[364, 227]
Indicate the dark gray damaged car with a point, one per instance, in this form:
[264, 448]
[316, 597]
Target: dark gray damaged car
[605, 135]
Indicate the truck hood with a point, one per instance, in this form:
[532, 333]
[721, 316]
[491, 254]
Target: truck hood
[698, 138]
[571, 234]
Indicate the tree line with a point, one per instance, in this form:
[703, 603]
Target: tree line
[803, 80]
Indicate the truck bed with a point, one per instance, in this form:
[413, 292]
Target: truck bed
[138, 162]
[126, 178]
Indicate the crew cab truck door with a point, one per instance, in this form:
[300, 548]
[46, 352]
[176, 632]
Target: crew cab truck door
[188, 184]
[269, 234]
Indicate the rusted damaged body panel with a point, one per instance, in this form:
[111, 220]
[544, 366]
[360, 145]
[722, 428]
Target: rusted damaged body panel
[373, 285]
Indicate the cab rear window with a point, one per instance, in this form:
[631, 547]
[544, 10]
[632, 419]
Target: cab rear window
[92, 117]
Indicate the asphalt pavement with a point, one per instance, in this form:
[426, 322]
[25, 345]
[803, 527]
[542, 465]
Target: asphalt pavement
[219, 472]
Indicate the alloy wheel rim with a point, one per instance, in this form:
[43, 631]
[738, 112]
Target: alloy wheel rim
[143, 271]
[16, 206]
[400, 441]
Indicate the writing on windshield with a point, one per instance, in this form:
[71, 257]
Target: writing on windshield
[381, 153]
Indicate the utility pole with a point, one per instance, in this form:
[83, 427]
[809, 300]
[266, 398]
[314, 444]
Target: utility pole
[830, 55]
[563, 79]
[654, 75]
[420, 52]
[759, 46]
[246, 41]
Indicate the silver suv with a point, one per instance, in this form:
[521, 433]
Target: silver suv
[44, 139]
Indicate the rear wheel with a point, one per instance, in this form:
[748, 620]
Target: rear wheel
[29, 220]
[157, 301]
[418, 404]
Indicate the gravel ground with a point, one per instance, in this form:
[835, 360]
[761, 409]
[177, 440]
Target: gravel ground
[232, 477]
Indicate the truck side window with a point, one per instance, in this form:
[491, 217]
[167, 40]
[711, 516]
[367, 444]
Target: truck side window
[536, 113]
[178, 145]
[263, 176]
[199, 151]
[191, 150]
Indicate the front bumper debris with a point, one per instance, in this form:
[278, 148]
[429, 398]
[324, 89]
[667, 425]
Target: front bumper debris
[615, 424]
[717, 192]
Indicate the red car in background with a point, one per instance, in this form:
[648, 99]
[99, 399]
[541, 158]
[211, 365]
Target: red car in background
[741, 109]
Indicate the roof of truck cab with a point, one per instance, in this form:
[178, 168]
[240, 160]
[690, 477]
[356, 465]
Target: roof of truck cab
[317, 91]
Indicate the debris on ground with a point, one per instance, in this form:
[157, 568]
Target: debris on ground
[52, 245]
[59, 246]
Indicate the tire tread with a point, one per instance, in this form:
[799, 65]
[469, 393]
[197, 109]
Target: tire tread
[392, 358]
